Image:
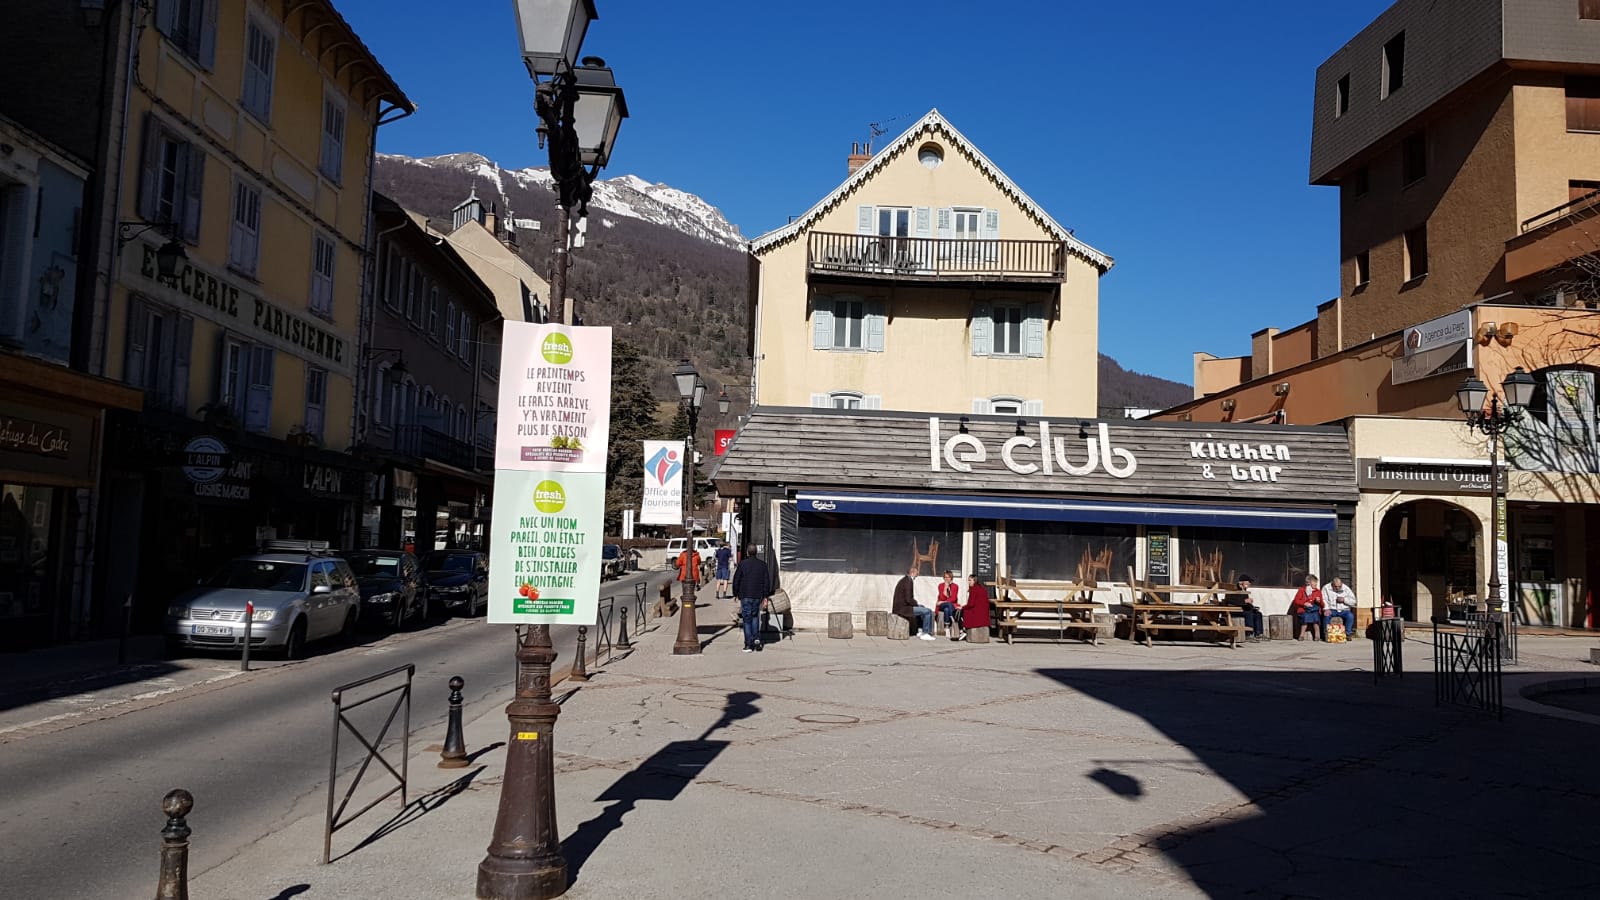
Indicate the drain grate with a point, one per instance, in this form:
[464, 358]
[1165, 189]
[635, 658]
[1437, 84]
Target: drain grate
[849, 672]
[826, 719]
[769, 679]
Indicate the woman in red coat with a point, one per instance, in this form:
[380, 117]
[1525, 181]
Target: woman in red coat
[975, 614]
[1307, 607]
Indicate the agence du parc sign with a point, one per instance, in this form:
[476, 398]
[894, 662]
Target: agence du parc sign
[1082, 455]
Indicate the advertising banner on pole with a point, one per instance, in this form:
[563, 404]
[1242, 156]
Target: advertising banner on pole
[724, 437]
[552, 432]
[1502, 560]
[663, 483]
[555, 398]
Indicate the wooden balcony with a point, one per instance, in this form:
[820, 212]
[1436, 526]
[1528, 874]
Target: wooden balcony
[870, 257]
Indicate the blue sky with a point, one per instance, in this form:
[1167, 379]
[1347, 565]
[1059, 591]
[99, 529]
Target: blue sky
[1172, 135]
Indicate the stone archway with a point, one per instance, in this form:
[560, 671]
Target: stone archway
[1430, 556]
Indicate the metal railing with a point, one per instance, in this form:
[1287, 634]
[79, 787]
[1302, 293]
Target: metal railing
[935, 258]
[1502, 627]
[1589, 202]
[1466, 668]
[423, 442]
[333, 822]
[1388, 637]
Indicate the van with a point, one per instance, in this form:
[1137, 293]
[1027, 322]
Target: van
[702, 545]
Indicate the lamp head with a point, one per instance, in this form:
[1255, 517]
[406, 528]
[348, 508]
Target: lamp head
[1472, 395]
[685, 376]
[552, 32]
[170, 259]
[1519, 387]
[722, 401]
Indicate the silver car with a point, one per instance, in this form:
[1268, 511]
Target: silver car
[296, 597]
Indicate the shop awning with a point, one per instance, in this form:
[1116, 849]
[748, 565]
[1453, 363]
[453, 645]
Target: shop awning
[1047, 509]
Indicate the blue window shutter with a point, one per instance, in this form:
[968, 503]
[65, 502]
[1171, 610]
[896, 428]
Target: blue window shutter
[876, 320]
[167, 16]
[822, 323]
[150, 166]
[982, 331]
[133, 367]
[182, 347]
[194, 182]
[980, 405]
[1033, 330]
[1033, 407]
[864, 223]
[208, 35]
[872, 401]
[821, 401]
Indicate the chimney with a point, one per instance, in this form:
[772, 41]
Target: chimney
[491, 220]
[859, 156]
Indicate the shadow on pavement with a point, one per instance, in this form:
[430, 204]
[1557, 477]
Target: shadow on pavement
[293, 891]
[419, 807]
[662, 776]
[1353, 790]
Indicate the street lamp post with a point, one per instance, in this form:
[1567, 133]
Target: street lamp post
[692, 392]
[1486, 413]
[580, 109]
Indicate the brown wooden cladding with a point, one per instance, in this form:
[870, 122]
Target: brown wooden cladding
[815, 448]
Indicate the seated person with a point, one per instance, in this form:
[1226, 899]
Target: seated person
[1306, 607]
[976, 613]
[1254, 621]
[949, 601]
[906, 606]
[1340, 604]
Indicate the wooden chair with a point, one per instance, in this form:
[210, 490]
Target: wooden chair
[931, 557]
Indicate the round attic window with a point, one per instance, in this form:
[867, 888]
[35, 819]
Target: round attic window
[931, 155]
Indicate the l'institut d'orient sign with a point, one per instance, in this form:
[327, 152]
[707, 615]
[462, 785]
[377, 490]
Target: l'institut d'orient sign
[552, 432]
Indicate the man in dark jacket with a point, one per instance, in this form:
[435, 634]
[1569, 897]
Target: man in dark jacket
[752, 583]
[905, 606]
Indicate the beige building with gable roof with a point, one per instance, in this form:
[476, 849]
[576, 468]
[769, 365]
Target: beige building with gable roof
[926, 281]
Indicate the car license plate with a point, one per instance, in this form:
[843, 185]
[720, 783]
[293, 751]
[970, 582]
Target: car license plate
[212, 629]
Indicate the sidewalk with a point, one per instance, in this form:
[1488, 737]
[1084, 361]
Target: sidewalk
[872, 768]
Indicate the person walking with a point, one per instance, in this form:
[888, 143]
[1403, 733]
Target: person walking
[688, 564]
[724, 557]
[752, 584]
[906, 607]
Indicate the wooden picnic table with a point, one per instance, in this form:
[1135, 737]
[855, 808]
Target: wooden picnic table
[1207, 617]
[1072, 612]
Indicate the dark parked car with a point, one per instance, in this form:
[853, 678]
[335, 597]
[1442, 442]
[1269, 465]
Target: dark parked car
[457, 580]
[391, 586]
[613, 562]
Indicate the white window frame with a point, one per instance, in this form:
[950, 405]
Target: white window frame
[1001, 314]
[380, 396]
[416, 286]
[234, 364]
[846, 400]
[324, 253]
[334, 120]
[464, 337]
[191, 26]
[849, 331]
[316, 401]
[258, 384]
[244, 236]
[1006, 406]
[260, 67]
[450, 327]
[433, 312]
[893, 221]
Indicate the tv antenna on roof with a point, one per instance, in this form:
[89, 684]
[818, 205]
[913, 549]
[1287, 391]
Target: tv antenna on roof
[876, 130]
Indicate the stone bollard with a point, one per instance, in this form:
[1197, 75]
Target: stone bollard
[622, 630]
[454, 754]
[580, 668]
[174, 883]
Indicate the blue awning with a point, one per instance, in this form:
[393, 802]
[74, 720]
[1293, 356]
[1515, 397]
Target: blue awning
[1047, 509]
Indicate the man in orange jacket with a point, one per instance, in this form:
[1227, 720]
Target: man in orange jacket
[689, 566]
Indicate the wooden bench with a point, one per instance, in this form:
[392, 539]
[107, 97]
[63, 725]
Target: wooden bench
[1074, 612]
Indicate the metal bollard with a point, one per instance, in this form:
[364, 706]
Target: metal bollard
[622, 630]
[454, 755]
[175, 846]
[580, 670]
[249, 620]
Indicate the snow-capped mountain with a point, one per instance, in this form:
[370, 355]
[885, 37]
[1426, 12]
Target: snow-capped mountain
[626, 195]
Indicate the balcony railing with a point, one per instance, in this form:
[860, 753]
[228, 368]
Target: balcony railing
[934, 259]
[423, 442]
[1588, 203]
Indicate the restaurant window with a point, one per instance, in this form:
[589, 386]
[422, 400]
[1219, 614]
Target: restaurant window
[869, 544]
[1417, 252]
[1067, 551]
[848, 323]
[1394, 64]
[160, 341]
[1583, 103]
[1209, 556]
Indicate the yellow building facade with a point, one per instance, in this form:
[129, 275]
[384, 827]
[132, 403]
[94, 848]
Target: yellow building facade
[927, 281]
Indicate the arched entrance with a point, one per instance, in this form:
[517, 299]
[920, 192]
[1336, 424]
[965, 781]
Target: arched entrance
[1429, 554]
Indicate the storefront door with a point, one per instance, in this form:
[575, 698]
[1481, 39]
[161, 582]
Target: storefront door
[1539, 590]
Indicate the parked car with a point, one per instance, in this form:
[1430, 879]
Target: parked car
[299, 594]
[613, 562]
[457, 580]
[702, 545]
[391, 586]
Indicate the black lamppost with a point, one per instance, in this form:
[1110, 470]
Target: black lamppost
[580, 109]
[1485, 413]
[692, 392]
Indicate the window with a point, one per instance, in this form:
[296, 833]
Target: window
[1589, 9]
[1394, 64]
[171, 176]
[1008, 329]
[1005, 406]
[394, 278]
[848, 323]
[868, 544]
[1414, 158]
[235, 357]
[1578, 190]
[260, 52]
[397, 402]
[244, 240]
[258, 390]
[1341, 97]
[322, 256]
[332, 156]
[894, 221]
[380, 396]
[464, 338]
[159, 345]
[316, 400]
[1275, 558]
[1417, 252]
[844, 400]
[433, 313]
[1361, 181]
[416, 284]
[1559, 430]
[1057, 551]
[461, 423]
[1363, 268]
[191, 26]
[450, 327]
[1583, 104]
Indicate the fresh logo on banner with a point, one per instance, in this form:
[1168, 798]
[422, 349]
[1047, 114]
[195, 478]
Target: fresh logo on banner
[663, 483]
[552, 432]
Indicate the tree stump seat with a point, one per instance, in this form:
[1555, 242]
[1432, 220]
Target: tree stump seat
[840, 626]
[877, 622]
[899, 629]
[1280, 628]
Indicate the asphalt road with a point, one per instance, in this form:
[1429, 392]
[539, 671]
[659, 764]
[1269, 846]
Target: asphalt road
[80, 806]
